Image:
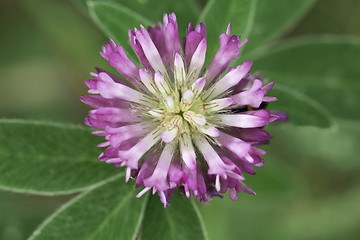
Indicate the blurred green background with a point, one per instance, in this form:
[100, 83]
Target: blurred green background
[47, 49]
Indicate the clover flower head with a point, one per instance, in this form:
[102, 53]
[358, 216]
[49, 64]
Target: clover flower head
[174, 123]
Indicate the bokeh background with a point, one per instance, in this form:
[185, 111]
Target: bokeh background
[47, 49]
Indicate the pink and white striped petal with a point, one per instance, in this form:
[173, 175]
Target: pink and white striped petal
[197, 60]
[232, 78]
[187, 151]
[132, 156]
[110, 89]
[215, 163]
[236, 145]
[158, 178]
[242, 120]
[150, 50]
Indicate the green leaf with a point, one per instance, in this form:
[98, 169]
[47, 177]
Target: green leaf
[116, 17]
[21, 214]
[181, 220]
[112, 211]
[218, 14]
[301, 109]
[325, 69]
[272, 20]
[115, 20]
[336, 147]
[46, 158]
[186, 10]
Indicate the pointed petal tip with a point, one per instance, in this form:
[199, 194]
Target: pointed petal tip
[240, 44]
[247, 64]
[168, 136]
[228, 29]
[112, 43]
[200, 82]
[113, 160]
[268, 86]
[128, 174]
[177, 55]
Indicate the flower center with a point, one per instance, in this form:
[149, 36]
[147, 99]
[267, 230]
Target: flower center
[180, 115]
[180, 108]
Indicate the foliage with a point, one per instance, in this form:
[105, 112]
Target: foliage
[316, 81]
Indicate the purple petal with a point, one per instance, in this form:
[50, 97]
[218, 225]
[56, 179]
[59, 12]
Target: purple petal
[158, 179]
[172, 42]
[281, 117]
[113, 114]
[158, 38]
[132, 156]
[98, 101]
[150, 50]
[108, 88]
[237, 146]
[136, 46]
[118, 59]
[228, 50]
[233, 77]
[252, 97]
[251, 134]
[192, 41]
[244, 120]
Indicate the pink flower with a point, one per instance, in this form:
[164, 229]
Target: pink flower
[174, 123]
